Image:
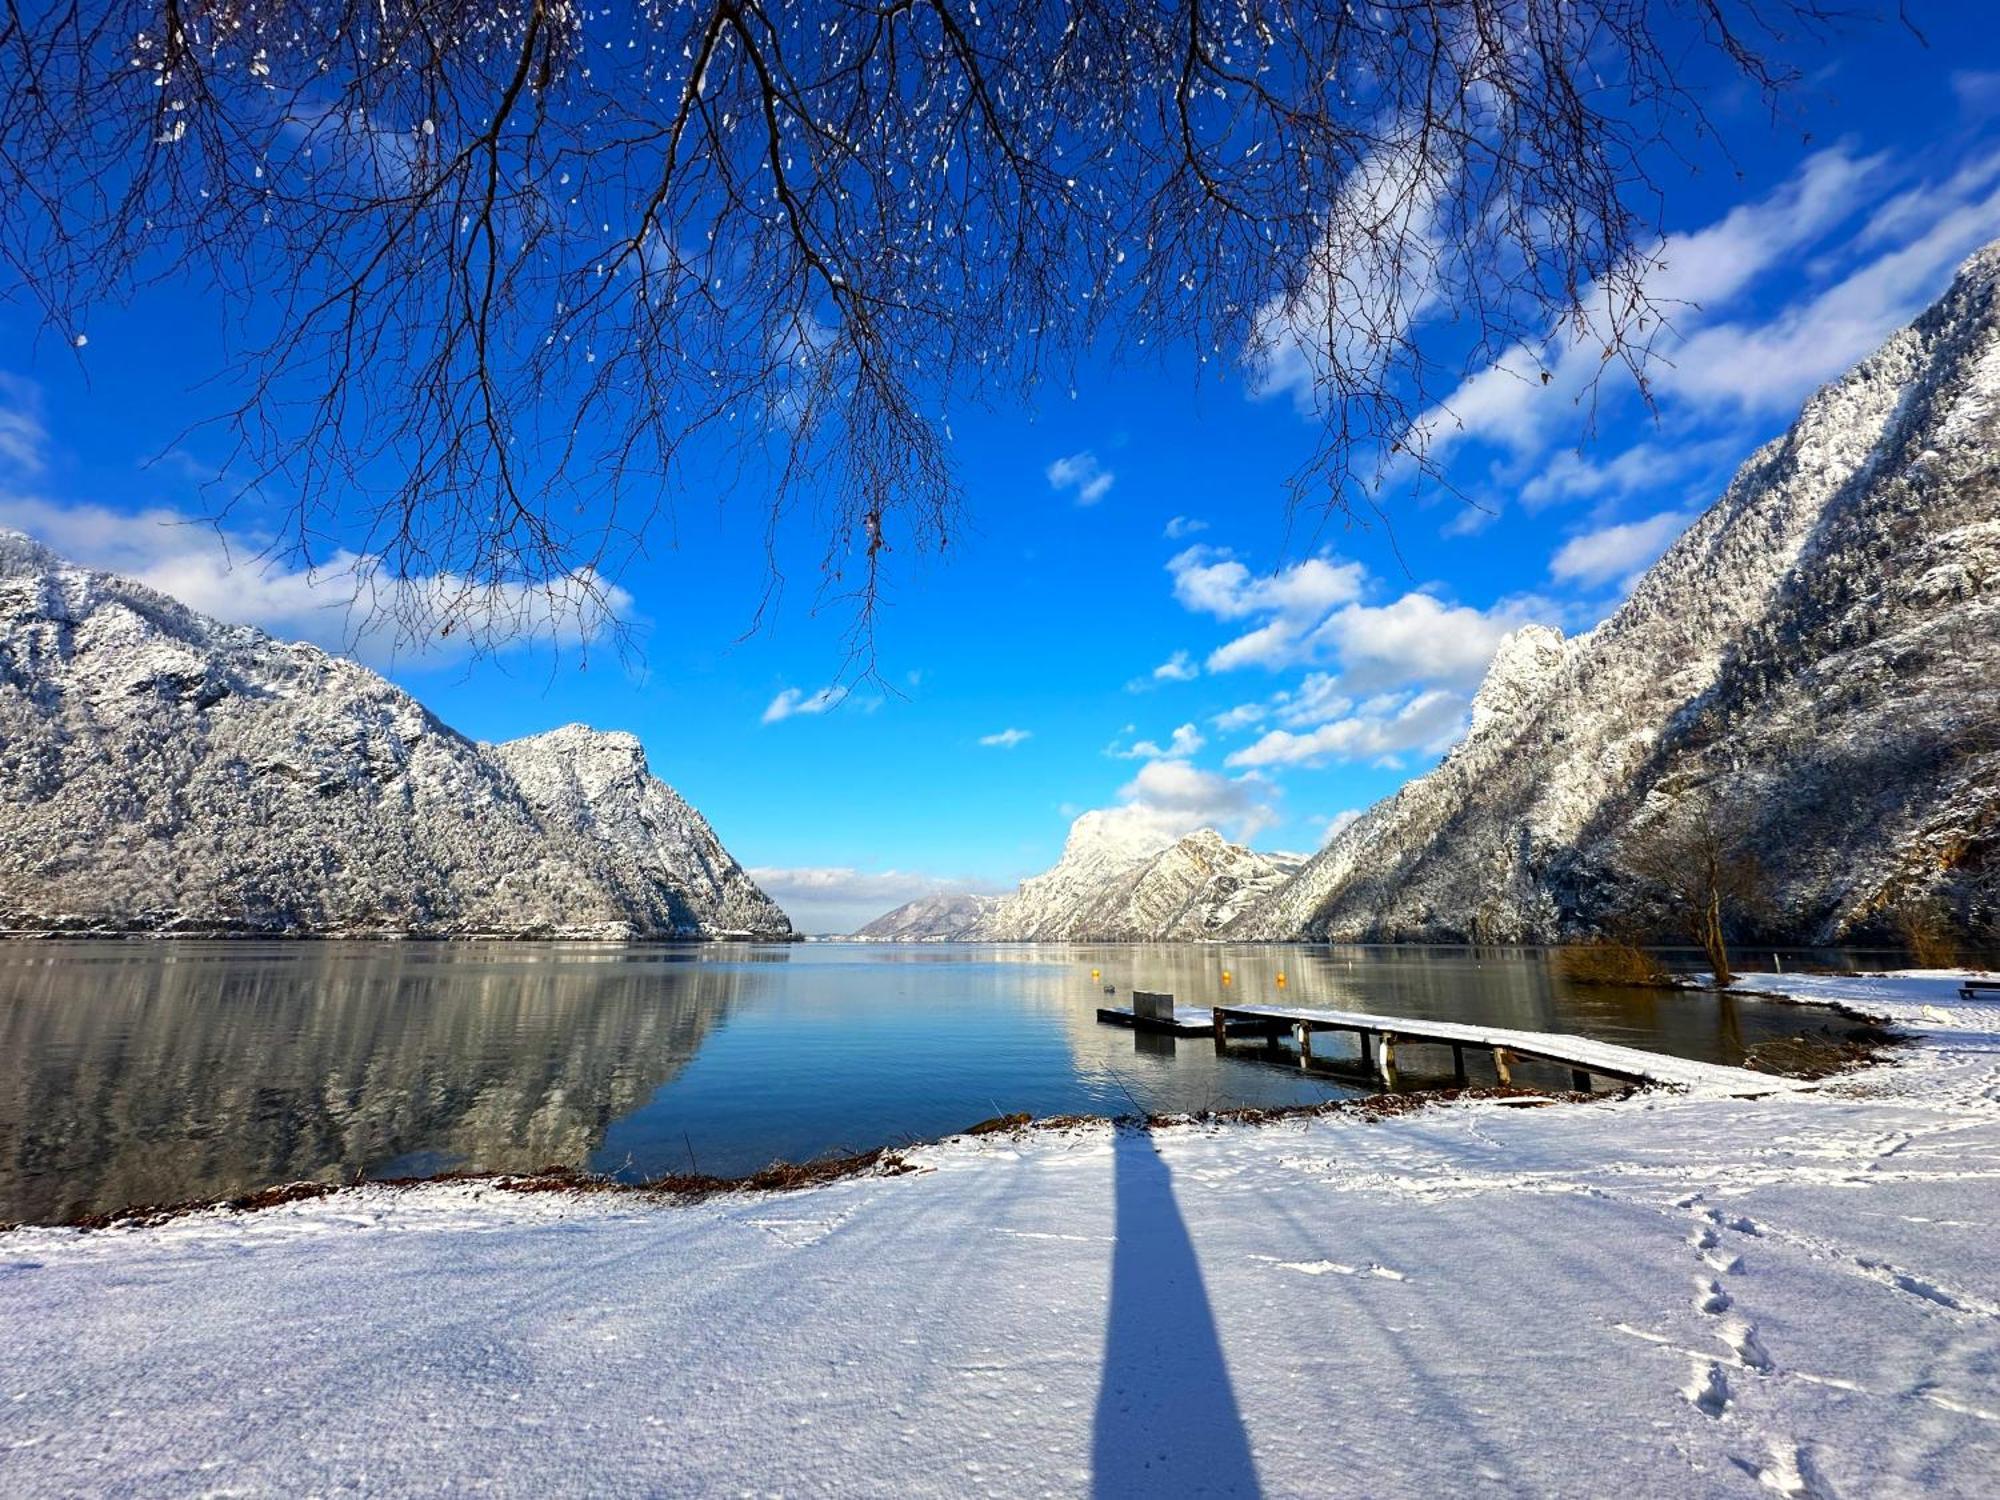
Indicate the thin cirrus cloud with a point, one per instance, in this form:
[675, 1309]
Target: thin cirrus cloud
[1871, 237]
[1082, 475]
[791, 702]
[1006, 739]
[1183, 526]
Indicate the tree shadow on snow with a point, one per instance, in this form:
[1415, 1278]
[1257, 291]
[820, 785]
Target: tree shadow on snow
[1167, 1421]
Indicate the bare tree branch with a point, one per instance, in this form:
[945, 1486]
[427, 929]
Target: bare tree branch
[496, 273]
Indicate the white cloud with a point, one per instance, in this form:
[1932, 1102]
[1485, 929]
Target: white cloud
[1177, 668]
[1691, 276]
[1209, 580]
[1006, 739]
[1417, 637]
[23, 437]
[1616, 552]
[1082, 473]
[795, 701]
[1978, 93]
[1771, 365]
[1184, 741]
[839, 898]
[348, 604]
[1643, 468]
[1427, 721]
[1368, 280]
[1240, 717]
[1169, 798]
[1183, 526]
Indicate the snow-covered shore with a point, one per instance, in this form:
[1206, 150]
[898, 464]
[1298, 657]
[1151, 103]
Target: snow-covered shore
[1661, 1295]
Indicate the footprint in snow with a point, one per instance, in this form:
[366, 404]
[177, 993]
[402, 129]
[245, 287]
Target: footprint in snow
[1707, 1390]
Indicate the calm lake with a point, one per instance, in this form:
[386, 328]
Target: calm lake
[150, 1072]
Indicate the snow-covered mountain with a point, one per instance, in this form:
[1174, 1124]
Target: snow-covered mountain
[1119, 883]
[163, 771]
[1817, 660]
[943, 918]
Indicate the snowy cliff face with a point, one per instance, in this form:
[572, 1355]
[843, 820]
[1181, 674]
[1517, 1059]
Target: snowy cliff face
[1817, 658]
[930, 919]
[161, 771]
[598, 784]
[1115, 883]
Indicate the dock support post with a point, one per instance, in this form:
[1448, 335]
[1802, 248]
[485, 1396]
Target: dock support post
[1503, 1064]
[1458, 1063]
[1221, 1028]
[1303, 1034]
[1367, 1062]
[1389, 1058]
[1579, 1079]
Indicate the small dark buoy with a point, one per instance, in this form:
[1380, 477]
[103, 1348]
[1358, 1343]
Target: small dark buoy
[1111, 989]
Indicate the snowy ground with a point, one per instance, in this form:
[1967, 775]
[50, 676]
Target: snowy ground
[1659, 1296]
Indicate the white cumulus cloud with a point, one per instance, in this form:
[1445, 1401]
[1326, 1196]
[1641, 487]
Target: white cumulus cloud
[1006, 739]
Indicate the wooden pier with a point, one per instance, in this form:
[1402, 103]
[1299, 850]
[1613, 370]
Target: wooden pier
[1585, 1058]
[1158, 1013]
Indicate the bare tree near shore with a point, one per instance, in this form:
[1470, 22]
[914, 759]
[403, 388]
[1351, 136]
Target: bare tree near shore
[1703, 878]
[495, 274]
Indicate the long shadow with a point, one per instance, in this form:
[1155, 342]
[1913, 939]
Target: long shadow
[1167, 1421]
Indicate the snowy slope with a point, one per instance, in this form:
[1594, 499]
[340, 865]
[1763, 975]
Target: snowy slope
[1815, 657]
[1661, 1296]
[1115, 883]
[942, 918]
[162, 771]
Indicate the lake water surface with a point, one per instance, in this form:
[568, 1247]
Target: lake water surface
[136, 1072]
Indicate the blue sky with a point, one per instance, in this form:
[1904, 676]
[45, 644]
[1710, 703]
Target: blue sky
[1129, 617]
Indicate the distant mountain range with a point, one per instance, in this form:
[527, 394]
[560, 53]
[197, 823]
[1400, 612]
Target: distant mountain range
[1112, 884]
[161, 771]
[1814, 664]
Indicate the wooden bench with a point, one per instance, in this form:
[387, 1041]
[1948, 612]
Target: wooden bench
[1980, 989]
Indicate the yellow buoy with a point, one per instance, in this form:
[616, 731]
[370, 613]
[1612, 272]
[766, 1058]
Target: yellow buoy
[1225, 976]
[1093, 973]
[1281, 981]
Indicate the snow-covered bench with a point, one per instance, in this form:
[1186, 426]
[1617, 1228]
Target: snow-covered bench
[1980, 989]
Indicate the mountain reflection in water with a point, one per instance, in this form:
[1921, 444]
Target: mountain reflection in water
[156, 1072]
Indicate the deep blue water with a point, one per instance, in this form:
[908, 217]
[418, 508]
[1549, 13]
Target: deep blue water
[156, 1072]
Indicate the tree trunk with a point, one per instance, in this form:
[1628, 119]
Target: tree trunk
[1712, 939]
